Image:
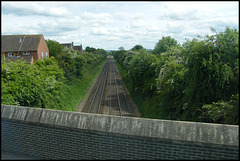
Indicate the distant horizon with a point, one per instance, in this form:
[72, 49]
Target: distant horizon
[110, 25]
[125, 49]
[71, 42]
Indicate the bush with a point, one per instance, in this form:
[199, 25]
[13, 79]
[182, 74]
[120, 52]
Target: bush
[198, 81]
[38, 85]
[222, 112]
[45, 83]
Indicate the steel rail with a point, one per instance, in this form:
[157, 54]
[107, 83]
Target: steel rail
[103, 86]
[97, 87]
[119, 105]
[109, 109]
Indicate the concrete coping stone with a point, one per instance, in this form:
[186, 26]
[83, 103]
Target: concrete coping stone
[155, 128]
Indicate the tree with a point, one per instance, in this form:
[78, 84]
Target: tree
[141, 70]
[198, 81]
[90, 49]
[54, 47]
[67, 63]
[137, 47]
[39, 85]
[121, 48]
[164, 45]
[210, 75]
[227, 45]
[100, 51]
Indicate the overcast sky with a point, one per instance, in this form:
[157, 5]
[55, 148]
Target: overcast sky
[111, 24]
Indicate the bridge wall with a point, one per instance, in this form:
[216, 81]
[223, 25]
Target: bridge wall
[52, 134]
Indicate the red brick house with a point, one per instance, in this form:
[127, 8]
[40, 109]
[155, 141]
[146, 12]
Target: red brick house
[79, 48]
[27, 47]
[70, 45]
[27, 58]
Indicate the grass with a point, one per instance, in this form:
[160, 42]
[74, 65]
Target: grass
[79, 87]
[137, 99]
[146, 105]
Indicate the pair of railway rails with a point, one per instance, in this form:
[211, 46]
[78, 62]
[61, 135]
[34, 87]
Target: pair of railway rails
[109, 71]
[108, 95]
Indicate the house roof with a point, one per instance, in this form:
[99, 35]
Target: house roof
[15, 43]
[77, 48]
[71, 45]
[27, 58]
[67, 44]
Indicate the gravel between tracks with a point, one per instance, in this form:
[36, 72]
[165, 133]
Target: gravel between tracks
[109, 87]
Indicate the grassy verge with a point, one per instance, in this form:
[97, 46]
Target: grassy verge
[137, 99]
[79, 87]
[146, 105]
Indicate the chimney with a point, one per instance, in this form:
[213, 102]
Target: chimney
[20, 40]
[72, 44]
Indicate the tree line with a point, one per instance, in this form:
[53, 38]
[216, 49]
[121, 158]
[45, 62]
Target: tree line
[195, 81]
[45, 83]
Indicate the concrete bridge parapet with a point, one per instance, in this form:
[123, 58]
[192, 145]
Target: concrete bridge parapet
[153, 132]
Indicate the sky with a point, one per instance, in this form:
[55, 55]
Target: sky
[112, 24]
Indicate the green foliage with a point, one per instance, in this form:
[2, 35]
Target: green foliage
[226, 45]
[120, 56]
[140, 67]
[210, 76]
[137, 47]
[141, 71]
[198, 81]
[79, 64]
[121, 48]
[90, 49]
[165, 44]
[95, 51]
[72, 62]
[222, 112]
[54, 47]
[44, 84]
[79, 86]
[38, 85]
[170, 83]
[67, 63]
[100, 52]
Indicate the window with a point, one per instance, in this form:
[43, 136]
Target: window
[41, 55]
[45, 54]
[10, 54]
[26, 53]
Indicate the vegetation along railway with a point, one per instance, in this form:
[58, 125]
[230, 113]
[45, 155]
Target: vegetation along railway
[109, 95]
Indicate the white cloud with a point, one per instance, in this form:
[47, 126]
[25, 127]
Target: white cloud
[109, 25]
[99, 31]
[137, 23]
[174, 27]
[138, 15]
[89, 15]
[122, 16]
[94, 19]
[40, 9]
[152, 29]
[125, 16]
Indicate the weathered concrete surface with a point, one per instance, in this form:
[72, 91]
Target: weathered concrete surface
[11, 156]
[33, 115]
[155, 128]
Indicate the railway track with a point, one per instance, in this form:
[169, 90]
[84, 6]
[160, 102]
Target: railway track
[114, 100]
[108, 95]
[97, 97]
